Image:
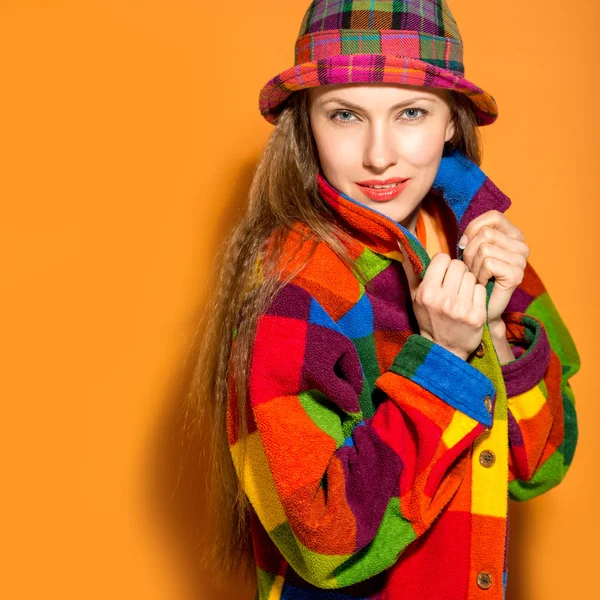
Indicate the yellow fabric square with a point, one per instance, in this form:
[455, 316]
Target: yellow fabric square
[528, 404]
[489, 484]
[259, 484]
[460, 426]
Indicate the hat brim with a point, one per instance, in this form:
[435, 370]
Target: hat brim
[371, 68]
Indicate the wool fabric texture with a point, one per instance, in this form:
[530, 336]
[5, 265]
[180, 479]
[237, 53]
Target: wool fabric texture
[379, 463]
[410, 42]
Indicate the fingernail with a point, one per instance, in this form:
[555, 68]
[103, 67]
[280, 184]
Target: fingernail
[463, 241]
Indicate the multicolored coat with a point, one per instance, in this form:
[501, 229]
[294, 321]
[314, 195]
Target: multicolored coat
[380, 464]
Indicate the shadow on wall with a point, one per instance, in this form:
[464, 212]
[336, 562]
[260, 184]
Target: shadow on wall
[522, 520]
[179, 501]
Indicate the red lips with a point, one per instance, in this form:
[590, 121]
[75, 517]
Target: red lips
[382, 181]
[383, 194]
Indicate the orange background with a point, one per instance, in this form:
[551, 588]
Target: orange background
[129, 132]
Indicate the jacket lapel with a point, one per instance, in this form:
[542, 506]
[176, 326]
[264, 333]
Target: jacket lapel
[466, 190]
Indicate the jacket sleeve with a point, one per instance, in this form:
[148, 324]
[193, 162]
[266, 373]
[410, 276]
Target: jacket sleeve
[542, 421]
[342, 490]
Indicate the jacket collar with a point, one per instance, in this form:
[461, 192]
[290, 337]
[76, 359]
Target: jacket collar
[460, 183]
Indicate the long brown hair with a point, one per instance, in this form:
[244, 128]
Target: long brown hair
[282, 195]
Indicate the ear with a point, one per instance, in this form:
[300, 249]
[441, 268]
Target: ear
[450, 129]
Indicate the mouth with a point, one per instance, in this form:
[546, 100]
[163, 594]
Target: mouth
[383, 191]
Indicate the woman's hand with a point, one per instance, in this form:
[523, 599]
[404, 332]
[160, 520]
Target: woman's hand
[495, 247]
[448, 303]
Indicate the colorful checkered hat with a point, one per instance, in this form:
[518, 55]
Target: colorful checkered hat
[410, 42]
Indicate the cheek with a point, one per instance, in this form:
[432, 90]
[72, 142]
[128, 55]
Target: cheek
[337, 153]
[422, 147]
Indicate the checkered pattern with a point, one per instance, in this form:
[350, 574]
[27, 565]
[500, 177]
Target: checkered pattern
[379, 463]
[411, 42]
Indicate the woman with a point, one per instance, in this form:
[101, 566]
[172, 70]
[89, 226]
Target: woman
[386, 389]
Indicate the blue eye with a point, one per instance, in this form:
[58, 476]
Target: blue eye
[414, 108]
[339, 112]
[334, 115]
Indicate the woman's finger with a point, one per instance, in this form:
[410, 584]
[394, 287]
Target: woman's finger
[436, 270]
[489, 262]
[466, 290]
[479, 301]
[453, 278]
[495, 220]
[488, 235]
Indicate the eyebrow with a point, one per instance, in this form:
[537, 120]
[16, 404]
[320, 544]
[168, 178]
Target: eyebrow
[357, 107]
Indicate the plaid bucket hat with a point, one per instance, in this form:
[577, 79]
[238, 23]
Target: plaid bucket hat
[410, 42]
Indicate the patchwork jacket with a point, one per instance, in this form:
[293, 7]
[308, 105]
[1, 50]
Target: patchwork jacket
[380, 464]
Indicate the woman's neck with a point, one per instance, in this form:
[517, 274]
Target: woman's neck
[410, 222]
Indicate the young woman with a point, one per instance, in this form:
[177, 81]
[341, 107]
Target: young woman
[382, 367]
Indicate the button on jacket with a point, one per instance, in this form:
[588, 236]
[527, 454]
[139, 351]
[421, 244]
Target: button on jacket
[379, 463]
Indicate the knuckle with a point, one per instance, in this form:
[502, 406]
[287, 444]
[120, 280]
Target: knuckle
[441, 257]
[487, 233]
[520, 276]
[447, 305]
[461, 311]
[487, 261]
[425, 295]
[475, 319]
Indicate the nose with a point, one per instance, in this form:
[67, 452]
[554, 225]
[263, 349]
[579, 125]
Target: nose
[380, 150]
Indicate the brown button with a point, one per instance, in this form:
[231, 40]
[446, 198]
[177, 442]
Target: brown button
[487, 458]
[484, 580]
[480, 350]
[488, 403]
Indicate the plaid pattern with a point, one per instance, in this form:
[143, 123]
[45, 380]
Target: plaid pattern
[432, 17]
[322, 45]
[379, 463]
[411, 42]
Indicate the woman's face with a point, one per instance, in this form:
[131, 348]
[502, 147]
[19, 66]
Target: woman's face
[377, 132]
